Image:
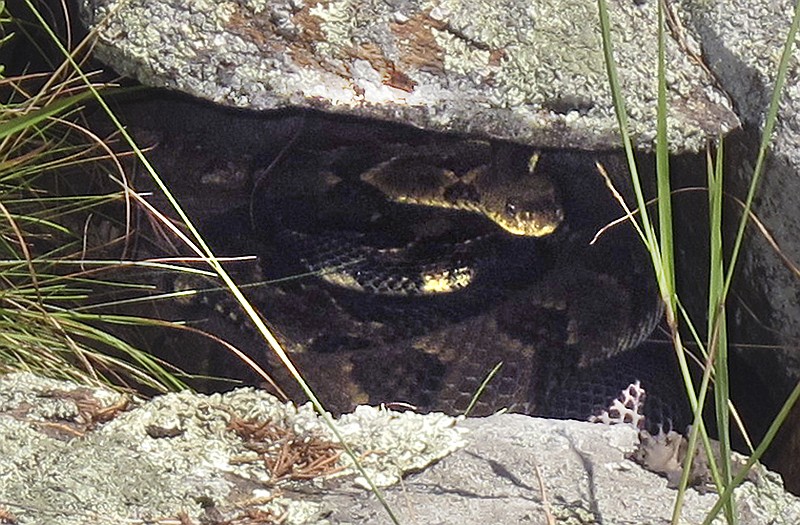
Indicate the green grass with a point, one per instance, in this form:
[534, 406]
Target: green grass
[715, 347]
[42, 282]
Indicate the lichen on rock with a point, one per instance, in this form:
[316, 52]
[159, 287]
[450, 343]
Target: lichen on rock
[531, 72]
[178, 454]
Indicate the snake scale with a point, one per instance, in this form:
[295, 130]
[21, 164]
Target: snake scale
[404, 301]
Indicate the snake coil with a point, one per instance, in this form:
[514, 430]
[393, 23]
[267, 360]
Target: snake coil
[431, 284]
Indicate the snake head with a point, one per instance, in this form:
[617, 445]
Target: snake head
[533, 210]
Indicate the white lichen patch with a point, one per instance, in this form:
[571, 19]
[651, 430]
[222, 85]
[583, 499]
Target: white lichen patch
[369, 82]
[398, 442]
[178, 452]
[338, 23]
[460, 57]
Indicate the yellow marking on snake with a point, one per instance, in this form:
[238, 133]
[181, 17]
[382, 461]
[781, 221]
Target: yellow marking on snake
[522, 204]
[446, 281]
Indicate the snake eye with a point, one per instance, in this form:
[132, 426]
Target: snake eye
[511, 207]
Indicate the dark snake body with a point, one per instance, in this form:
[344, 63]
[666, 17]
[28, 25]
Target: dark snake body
[565, 318]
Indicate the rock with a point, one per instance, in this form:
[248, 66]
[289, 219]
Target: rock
[183, 453]
[517, 469]
[529, 72]
[194, 458]
[742, 45]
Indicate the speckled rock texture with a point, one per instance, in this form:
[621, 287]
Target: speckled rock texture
[532, 72]
[742, 45]
[180, 453]
[75, 455]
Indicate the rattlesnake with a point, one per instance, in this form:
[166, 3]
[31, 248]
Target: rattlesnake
[565, 317]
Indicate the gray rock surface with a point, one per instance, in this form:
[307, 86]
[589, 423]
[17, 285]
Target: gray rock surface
[531, 72]
[176, 456]
[177, 453]
[742, 44]
[513, 464]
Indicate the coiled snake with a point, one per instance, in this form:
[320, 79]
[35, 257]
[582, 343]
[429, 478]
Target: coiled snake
[417, 303]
